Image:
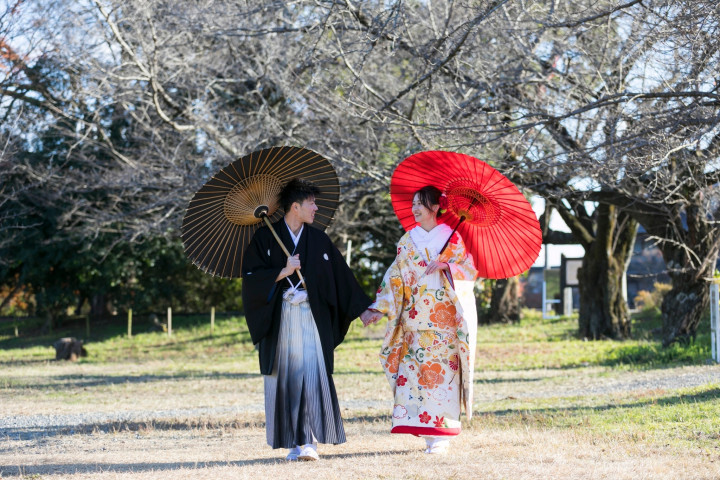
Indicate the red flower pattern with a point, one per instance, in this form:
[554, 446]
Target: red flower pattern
[425, 418]
[401, 381]
[454, 362]
[413, 313]
[439, 421]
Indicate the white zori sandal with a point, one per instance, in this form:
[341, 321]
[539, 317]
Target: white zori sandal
[437, 445]
[308, 453]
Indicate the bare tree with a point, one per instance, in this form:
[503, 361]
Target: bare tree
[608, 101]
[611, 101]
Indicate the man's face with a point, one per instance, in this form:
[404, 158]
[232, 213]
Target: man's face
[306, 210]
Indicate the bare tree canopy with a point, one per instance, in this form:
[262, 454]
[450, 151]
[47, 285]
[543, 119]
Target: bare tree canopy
[615, 102]
[136, 102]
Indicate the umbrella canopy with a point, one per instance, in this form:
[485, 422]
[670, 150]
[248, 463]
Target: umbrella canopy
[500, 228]
[224, 214]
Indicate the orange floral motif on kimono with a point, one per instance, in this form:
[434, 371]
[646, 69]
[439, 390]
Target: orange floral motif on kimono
[431, 375]
[444, 315]
[425, 353]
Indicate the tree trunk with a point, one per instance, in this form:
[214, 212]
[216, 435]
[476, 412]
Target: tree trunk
[603, 306]
[48, 325]
[682, 309]
[690, 257]
[99, 306]
[504, 302]
[683, 306]
[81, 301]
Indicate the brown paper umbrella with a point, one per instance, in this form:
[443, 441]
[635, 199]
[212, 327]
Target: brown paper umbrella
[224, 214]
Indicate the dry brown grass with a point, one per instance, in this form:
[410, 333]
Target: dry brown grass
[235, 449]
[546, 408]
[232, 445]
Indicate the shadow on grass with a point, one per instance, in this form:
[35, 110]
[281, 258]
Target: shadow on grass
[104, 330]
[80, 468]
[482, 381]
[194, 421]
[85, 381]
[705, 396]
[84, 468]
[362, 419]
[174, 422]
[33, 361]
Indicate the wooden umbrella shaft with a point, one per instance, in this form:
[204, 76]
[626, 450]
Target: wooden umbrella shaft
[462, 219]
[282, 245]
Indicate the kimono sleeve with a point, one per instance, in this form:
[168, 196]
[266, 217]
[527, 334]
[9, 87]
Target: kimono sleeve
[258, 288]
[390, 298]
[351, 301]
[462, 266]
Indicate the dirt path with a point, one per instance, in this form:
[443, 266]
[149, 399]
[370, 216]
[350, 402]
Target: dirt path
[90, 421]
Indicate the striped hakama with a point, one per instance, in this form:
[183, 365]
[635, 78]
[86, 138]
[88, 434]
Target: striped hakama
[300, 401]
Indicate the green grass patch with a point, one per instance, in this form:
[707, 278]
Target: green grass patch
[535, 342]
[682, 418]
[532, 343]
[191, 340]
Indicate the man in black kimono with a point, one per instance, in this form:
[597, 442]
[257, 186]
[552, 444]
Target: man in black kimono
[297, 330]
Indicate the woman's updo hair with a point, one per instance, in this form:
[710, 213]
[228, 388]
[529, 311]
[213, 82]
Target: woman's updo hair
[429, 196]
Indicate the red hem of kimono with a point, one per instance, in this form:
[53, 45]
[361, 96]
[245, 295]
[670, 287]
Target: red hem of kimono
[433, 431]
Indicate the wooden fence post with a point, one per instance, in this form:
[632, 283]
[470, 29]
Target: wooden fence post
[715, 322]
[129, 322]
[169, 321]
[212, 320]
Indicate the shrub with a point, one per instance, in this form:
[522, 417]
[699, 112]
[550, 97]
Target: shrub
[645, 300]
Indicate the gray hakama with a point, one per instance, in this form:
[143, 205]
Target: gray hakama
[300, 401]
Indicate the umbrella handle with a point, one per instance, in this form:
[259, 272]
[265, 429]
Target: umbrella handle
[462, 219]
[282, 245]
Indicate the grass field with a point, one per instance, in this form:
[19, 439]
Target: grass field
[547, 404]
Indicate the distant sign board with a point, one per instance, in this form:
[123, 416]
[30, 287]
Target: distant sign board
[569, 271]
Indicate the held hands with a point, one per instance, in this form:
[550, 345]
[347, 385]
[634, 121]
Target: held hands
[436, 267]
[369, 317]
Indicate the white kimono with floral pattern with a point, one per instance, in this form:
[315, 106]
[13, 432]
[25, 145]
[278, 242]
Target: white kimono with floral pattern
[429, 347]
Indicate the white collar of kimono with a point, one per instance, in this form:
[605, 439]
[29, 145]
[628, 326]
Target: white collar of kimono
[295, 238]
[294, 288]
[433, 240]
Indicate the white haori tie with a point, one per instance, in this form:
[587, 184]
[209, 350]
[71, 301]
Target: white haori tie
[295, 296]
[431, 242]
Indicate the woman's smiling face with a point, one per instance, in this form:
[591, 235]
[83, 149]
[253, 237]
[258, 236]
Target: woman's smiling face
[421, 213]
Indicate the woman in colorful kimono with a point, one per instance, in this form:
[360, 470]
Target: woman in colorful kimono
[429, 348]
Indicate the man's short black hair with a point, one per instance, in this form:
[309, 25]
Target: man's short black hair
[297, 190]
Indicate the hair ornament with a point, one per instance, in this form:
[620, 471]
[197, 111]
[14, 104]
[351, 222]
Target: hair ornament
[443, 202]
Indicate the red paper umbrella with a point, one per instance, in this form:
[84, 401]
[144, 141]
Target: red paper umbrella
[496, 222]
